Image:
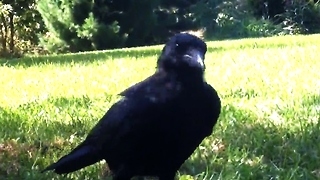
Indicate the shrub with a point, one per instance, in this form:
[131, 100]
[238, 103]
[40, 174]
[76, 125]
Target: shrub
[232, 19]
[301, 16]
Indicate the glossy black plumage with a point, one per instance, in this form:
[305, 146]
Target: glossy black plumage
[158, 123]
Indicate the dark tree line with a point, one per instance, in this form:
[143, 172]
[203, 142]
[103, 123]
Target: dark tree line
[85, 25]
[105, 24]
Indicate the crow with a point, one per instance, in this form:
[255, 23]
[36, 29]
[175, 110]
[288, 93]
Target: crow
[158, 123]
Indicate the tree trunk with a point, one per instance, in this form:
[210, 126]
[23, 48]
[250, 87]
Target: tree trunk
[4, 33]
[12, 32]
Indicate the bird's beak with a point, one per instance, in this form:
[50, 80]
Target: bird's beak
[195, 59]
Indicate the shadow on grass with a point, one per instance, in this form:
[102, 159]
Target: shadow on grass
[96, 56]
[81, 58]
[29, 141]
[244, 146]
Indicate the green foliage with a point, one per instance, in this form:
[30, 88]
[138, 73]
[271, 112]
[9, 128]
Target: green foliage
[75, 31]
[302, 16]
[19, 25]
[260, 28]
[251, 18]
[52, 20]
[268, 129]
[267, 9]
[86, 25]
[100, 24]
[232, 19]
[139, 21]
[295, 16]
[177, 15]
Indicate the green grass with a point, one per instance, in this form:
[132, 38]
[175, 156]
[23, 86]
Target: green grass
[268, 129]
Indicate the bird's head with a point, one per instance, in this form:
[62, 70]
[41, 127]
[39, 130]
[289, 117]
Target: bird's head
[183, 53]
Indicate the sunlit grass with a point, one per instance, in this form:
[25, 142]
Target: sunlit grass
[269, 126]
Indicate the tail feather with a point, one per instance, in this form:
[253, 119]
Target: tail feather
[77, 159]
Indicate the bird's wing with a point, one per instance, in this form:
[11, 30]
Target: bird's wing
[134, 113]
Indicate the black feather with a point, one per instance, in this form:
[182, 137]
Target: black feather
[77, 159]
[158, 123]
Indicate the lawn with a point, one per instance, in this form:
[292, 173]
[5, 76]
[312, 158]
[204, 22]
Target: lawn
[268, 129]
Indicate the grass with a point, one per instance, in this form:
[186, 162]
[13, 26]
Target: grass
[268, 129]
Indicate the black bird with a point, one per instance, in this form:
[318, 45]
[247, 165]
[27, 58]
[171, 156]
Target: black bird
[158, 123]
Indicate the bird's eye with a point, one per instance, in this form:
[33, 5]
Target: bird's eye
[177, 45]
